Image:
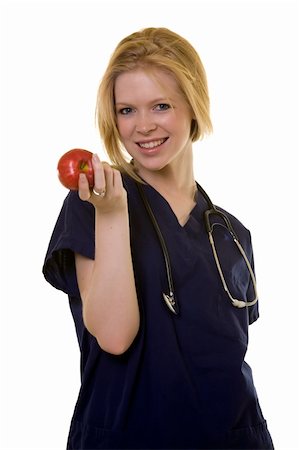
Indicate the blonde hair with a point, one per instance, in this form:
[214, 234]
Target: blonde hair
[162, 49]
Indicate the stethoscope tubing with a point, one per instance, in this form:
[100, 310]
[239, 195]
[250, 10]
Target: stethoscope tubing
[169, 297]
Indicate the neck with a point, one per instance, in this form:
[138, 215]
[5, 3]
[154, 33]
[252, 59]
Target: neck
[175, 185]
[175, 179]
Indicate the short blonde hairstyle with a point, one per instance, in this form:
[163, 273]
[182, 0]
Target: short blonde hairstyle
[156, 48]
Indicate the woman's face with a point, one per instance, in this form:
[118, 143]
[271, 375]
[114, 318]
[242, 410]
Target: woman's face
[153, 119]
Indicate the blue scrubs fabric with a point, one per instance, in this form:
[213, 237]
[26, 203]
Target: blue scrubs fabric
[183, 383]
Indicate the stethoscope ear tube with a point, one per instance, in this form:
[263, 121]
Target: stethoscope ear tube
[209, 228]
[216, 212]
[235, 302]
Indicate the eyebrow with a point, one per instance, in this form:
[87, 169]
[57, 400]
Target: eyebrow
[157, 100]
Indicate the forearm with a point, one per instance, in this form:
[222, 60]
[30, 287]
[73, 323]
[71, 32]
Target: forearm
[110, 307]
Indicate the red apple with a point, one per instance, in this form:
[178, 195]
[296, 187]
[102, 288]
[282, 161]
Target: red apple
[71, 164]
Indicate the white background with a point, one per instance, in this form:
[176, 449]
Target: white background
[53, 55]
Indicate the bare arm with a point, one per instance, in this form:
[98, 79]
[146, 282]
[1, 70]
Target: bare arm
[107, 285]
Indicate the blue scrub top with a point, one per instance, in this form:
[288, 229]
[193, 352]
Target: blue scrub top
[183, 383]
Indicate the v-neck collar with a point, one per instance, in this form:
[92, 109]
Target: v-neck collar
[154, 194]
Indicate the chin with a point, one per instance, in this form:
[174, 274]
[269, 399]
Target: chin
[151, 166]
[154, 168]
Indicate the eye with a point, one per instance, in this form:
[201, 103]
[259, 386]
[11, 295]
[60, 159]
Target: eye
[125, 111]
[162, 107]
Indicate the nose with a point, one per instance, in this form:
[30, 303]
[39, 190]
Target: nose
[145, 124]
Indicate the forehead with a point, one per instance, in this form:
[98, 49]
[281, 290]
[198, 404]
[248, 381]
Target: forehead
[142, 83]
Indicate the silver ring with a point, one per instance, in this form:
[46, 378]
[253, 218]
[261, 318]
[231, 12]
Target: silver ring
[101, 194]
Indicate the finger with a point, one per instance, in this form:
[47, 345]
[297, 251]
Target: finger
[83, 187]
[117, 181]
[108, 172]
[99, 176]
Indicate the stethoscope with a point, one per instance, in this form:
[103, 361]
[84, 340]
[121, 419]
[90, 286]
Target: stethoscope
[170, 298]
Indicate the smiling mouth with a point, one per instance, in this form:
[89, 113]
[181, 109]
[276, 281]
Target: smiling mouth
[152, 144]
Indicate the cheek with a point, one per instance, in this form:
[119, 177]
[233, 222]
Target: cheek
[186, 125]
[124, 128]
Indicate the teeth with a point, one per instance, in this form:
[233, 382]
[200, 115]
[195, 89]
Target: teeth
[152, 144]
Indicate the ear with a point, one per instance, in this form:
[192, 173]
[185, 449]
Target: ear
[194, 129]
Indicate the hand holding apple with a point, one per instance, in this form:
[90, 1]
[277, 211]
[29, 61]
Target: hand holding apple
[71, 164]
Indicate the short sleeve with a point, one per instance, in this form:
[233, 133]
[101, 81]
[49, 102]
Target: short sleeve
[253, 311]
[73, 233]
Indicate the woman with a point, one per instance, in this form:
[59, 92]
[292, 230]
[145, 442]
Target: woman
[162, 343]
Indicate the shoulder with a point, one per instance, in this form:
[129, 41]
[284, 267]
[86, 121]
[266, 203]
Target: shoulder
[241, 231]
[131, 187]
[129, 184]
[75, 210]
[236, 223]
[72, 200]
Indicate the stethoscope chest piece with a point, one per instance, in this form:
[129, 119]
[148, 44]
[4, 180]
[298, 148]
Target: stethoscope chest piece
[170, 302]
